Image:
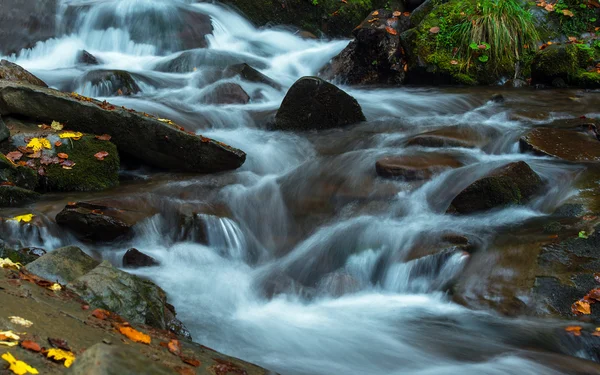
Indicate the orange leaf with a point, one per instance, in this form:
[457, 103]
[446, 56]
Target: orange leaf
[100, 313]
[575, 330]
[406, 14]
[454, 62]
[594, 294]
[62, 155]
[375, 13]
[391, 30]
[581, 307]
[174, 347]
[31, 345]
[397, 13]
[101, 155]
[58, 143]
[134, 335]
[191, 361]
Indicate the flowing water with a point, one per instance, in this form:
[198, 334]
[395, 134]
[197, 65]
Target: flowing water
[310, 265]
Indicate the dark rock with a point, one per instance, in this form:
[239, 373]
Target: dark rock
[25, 22]
[511, 184]
[141, 137]
[63, 265]
[311, 103]
[554, 62]
[23, 256]
[94, 221]
[226, 93]
[250, 74]
[13, 196]
[13, 72]
[20, 176]
[137, 300]
[561, 143]
[84, 57]
[497, 98]
[4, 132]
[413, 4]
[134, 258]
[374, 56]
[415, 167]
[103, 359]
[112, 82]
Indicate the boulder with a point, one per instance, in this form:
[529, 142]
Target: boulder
[84, 57]
[563, 65]
[514, 183]
[313, 104]
[226, 93]
[250, 74]
[13, 72]
[63, 265]
[134, 258]
[111, 82]
[137, 300]
[13, 196]
[374, 56]
[140, 136]
[56, 174]
[100, 221]
[566, 144]
[103, 359]
[25, 22]
[415, 167]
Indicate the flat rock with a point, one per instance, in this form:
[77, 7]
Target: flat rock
[314, 104]
[415, 167]
[452, 136]
[140, 136]
[564, 144]
[13, 72]
[63, 265]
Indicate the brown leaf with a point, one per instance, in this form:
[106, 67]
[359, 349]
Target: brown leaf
[454, 62]
[191, 361]
[59, 343]
[58, 143]
[31, 345]
[397, 13]
[375, 13]
[104, 137]
[391, 30]
[181, 370]
[100, 314]
[25, 150]
[62, 155]
[14, 156]
[101, 155]
[35, 155]
[434, 30]
[581, 307]
[594, 294]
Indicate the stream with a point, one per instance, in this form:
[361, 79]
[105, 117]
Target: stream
[311, 265]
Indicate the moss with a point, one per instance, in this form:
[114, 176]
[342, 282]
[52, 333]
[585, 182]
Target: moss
[88, 174]
[555, 62]
[587, 79]
[18, 256]
[12, 196]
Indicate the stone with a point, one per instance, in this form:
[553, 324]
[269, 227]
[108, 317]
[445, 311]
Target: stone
[566, 144]
[14, 73]
[554, 62]
[512, 184]
[314, 104]
[25, 22]
[63, 265]
[84, 57]
[14, 196]
[374, 56]
[23, 256]
[452, 136]
[137, 300]
[415, 167]
[112, 82]
[141, 137]
[103, 359]
[497, 98]
[134, 258]
[226, 93]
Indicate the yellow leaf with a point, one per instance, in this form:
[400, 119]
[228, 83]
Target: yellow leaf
[55, 287]
[23, 218]
[39, 143]
[9, 343]
[134, 335]
[7, 263]
[166, 120]
[57, 125]
[20, 321]
[9, 335]
[73, 135]
[59, 355]
[18, 367]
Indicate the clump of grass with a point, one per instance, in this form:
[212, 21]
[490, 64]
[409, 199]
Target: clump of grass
[503, 26]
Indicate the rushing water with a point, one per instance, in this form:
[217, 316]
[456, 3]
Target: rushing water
[310, 267]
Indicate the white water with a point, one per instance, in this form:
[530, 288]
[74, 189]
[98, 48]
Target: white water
[357, 303]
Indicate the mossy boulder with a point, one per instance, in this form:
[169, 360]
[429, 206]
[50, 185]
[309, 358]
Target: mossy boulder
[512, 184]
[330, 17]
[571, 64]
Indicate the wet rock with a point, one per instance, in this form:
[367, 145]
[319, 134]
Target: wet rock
[250, 74]
[497, 98]
[23, 256]
[415, 167]
[112, 82]
[84, 57]
[95, 221]
[13, 196]
[134, 258]
[86, 174]
[13, 72]
[374, 56]
[187, 61]
[226, 93]
[102, 359]
[511, 184]
[452, 136]
[313, 104]
[135, 299]
[63, 265]
[561, 143]
[17, 175]
[4, 132]
[25, 22]
[143, 138]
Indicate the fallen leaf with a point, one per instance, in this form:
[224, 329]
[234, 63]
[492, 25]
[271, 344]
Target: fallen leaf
[406, 14]
[20, 321]
[36, 144]
[454, 62]
[23, 218]
[57, 125]
[41, 171]
[397, 13]
[575, 330]
[31, 345]
[391, 30]
[18, 367]
[59, 343]
[191, 361]
[35, 155]
[7, 263]
[101, 155]
[375, 13]
[174, 347]
[72, 135]
[549, 7]
[14, 155]
[581, 307]
[597, 277]
[58, 143]
[9, 335]
[568, 13]
[55, 287]
[105, 137]
[62, 155]
[100, 314]
[185, 370]
[9, 344]
[434, 30]
[59, 355]
[134, 335]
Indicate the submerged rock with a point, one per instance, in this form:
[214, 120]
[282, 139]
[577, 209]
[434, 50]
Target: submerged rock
[374, 56]
[511, 184]
[142, 137]
[564, 144]
[134, 258]
[250, 74]
[415, 167]
[63, 265]
[23, 256]
[13, 72]
[84, 57]
[314, 104]
[452, 136]
[226, 93]
[111, 82]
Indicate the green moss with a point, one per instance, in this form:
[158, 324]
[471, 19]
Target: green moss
[555, 62]
[587, 79]
[88, 174]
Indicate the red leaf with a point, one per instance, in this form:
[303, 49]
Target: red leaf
[31, 345]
